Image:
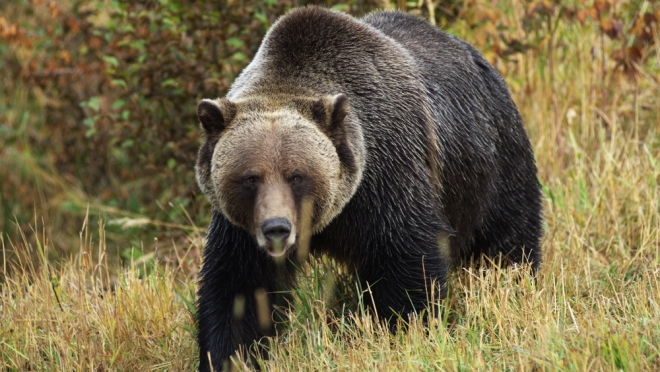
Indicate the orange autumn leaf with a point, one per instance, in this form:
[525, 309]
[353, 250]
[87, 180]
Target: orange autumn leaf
[611, 27]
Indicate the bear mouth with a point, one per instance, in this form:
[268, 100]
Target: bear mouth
[275, 254]
[277, 248]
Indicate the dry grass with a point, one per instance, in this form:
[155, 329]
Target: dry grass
[595, 304]
[85, 316]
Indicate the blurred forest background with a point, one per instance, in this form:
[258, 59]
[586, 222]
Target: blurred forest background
[98, 97]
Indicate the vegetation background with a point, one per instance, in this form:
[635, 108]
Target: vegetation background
[102, 224]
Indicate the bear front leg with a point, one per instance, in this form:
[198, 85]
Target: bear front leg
[236, 293]
[404, 278]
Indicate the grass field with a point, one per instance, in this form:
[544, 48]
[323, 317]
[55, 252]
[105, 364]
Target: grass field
[594, 306]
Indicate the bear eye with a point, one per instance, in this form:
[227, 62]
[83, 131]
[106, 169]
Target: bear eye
[296, 178]
[250, 180]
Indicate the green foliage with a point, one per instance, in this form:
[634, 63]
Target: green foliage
[117, 84]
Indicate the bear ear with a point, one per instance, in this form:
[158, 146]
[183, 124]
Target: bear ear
[330, 112]
[215, 115]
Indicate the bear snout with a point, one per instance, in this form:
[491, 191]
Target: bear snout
[275, 218]
[276, 229]
[276, 236]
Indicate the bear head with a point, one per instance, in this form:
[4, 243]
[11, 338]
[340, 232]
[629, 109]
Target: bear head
[280, 167]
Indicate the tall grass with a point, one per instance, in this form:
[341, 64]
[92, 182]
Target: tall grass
[595, 304]
[83, 315]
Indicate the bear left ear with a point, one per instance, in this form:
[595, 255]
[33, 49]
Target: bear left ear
[330, 112]
[215, 115]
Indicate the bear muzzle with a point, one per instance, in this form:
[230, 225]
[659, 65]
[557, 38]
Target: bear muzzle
[275, 218]
[276, 236]
[276, 229]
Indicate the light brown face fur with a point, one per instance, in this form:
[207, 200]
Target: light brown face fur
[265, 164]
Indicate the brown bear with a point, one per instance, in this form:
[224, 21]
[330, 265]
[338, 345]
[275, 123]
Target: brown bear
[382, 142]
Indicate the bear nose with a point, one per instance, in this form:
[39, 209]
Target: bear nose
[276, 229]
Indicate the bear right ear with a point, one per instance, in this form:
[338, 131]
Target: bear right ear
[215, 115]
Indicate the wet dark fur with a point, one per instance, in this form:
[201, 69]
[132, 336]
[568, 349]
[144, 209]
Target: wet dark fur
[447, 155]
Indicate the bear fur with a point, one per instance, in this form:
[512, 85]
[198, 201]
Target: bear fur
[382, 142]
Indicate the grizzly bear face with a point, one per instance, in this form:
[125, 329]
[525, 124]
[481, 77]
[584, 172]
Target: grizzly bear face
[281, 169]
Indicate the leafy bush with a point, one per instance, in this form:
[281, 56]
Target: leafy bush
[118, 83]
